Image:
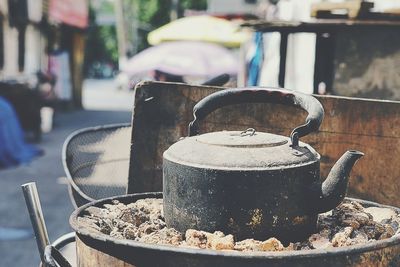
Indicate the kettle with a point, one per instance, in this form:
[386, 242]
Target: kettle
[247, 183]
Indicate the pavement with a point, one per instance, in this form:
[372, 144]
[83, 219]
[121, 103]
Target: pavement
[103, 104]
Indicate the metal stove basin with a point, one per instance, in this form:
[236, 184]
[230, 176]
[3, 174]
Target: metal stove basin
[97, 249]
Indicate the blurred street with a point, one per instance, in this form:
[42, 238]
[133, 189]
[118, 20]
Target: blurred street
[103, 95]
[103, 105]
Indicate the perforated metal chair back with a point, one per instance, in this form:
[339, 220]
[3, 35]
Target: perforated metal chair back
[96, 162]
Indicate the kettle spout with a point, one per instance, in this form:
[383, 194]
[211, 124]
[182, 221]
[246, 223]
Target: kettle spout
[333, 189]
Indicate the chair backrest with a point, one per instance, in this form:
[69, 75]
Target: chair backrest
[96, 162]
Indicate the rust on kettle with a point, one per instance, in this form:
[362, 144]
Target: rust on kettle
[256, 218]
[300, 219]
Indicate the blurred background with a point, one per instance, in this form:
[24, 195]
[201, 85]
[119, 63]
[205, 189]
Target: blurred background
[70, 64]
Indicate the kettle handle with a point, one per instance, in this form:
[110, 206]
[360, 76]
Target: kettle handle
[261, 95]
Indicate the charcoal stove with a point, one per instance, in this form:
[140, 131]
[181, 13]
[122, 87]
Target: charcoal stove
[97, 249]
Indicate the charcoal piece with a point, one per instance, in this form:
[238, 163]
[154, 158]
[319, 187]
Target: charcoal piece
[341, 238]
[320, 240]
[134, 216]
[271, 244]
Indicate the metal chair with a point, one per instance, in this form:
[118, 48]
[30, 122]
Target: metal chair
[96, 162]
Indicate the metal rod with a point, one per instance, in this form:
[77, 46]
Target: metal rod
[282, 60]
[36, 215]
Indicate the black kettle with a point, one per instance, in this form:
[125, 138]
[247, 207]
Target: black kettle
[248, 183]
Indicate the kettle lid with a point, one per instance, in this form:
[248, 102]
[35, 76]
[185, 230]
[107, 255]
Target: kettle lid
[248, 138]
[234, 150]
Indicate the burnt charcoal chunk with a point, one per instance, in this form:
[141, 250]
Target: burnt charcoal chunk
[220, 241]
[388, 233]
[134, 216]
[394, 225]
[342, 238]
[271, 244]
[357, 237]
[320, 240]
[130, 232]
[196, 238]
[106, 226]
[166, 236]
[149, 227]
[373, 231]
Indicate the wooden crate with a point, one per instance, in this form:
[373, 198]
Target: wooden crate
[163, 110]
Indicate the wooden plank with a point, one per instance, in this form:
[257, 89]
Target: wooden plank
[89, 257]
[163, 110]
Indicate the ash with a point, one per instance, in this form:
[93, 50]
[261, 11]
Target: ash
[348, 224]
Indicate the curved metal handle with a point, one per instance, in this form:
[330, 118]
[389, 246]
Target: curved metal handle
[53, 258]
[261, 95]
[219, 80]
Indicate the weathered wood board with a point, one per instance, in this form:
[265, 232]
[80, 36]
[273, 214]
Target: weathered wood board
[162, 112]
[89, 257]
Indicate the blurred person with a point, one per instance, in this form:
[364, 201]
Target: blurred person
[13, 149]
[46, 82]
